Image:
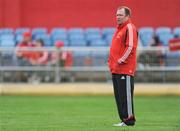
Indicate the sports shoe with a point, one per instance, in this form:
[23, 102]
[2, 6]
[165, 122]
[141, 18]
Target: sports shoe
[120, 124]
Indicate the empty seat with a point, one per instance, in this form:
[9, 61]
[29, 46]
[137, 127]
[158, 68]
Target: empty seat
[59, 37]
[7, 37]
[164, 38]
[20, 31]
[146, 34]
[73, 31]
[109, 39]
[176, 32]
[146, 39]
[78, 43]
[163, 30]
[93, 37]
[92, 30]
[1, 31]
[58, 31]
[146, 31]
[76, 37]
[19, 38]
[99, 42]
[42, 36]
[5, 31]
[108, 31]
[37, 31]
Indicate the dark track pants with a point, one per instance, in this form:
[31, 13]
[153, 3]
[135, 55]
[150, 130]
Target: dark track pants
[123, 91]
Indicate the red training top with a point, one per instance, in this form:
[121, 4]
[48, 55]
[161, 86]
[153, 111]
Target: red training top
[122, 56]
[21, 53]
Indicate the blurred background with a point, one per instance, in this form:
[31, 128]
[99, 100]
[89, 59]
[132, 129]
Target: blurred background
[55, 41]
[59, 49]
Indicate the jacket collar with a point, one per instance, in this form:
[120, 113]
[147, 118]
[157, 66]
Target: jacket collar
[124, 24]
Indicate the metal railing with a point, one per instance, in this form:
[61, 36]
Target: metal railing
[151, 60]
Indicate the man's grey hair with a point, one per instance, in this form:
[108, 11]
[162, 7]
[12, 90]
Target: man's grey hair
[127, 10]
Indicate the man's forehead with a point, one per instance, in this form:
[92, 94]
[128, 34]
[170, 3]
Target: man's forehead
[120, 11]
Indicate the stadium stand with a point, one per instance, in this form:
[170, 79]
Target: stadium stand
[95, 38]
[91, 36]
[85, 37]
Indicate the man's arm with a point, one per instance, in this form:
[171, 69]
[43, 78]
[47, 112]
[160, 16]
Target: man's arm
[129, 45]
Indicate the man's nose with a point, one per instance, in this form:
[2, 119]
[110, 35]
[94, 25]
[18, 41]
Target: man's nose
[117, 16]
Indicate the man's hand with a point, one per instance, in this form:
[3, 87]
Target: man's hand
[120, 61]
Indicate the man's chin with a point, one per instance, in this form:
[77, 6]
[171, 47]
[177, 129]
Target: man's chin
[118, 22]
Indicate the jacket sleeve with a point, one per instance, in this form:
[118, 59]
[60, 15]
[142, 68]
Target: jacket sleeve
[128, 44]
[43, 58]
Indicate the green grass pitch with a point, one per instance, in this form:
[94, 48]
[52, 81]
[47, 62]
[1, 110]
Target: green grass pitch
[85, 113]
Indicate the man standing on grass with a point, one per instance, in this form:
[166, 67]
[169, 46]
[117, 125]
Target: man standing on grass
[122, 64]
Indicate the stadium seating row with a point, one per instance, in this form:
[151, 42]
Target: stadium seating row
[163, 33]
[84, 37]
[71, 37]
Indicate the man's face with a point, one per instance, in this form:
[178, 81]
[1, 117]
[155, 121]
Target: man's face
[38, 44]
[27, 39]
[121, 16]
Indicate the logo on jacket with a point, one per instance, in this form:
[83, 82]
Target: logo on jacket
[119, 35]
[122, 78]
